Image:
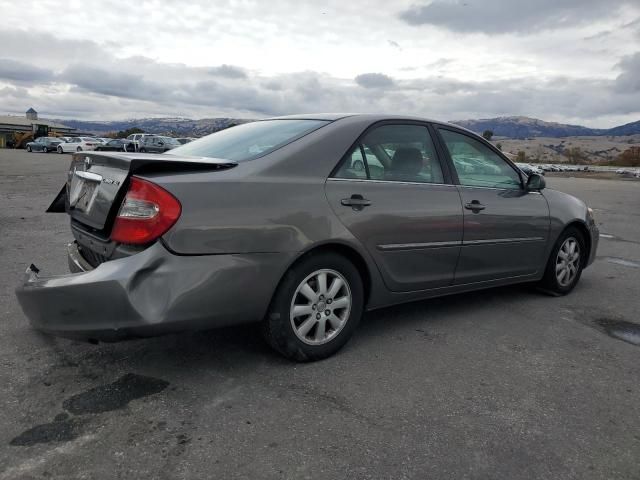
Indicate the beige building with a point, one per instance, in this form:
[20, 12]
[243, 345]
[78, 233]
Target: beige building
[12, 125]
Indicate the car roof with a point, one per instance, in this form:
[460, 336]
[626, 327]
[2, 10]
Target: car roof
[366, 117]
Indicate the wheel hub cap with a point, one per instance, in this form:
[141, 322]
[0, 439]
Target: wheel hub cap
[568, 262]
[320, 306]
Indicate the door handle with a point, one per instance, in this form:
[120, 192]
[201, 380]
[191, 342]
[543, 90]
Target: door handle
[357, 202]
[475, 206]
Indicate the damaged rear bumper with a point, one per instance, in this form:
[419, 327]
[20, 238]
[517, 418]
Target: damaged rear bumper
[150, 293]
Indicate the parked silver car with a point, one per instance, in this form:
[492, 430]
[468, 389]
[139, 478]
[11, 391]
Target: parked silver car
[300, 223]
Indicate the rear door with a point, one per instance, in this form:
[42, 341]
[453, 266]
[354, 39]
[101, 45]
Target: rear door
[506, 227]
[392, 193]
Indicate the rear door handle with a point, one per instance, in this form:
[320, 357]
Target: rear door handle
[474, 206]
[357, 202]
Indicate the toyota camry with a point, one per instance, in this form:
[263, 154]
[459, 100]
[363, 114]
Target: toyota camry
[301, 223]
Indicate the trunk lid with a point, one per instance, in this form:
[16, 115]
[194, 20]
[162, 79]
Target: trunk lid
[97, 181]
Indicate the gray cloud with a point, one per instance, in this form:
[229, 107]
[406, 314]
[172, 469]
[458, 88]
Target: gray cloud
[502, 16]
[629, 80]
[24, 73]
[85, 79]
[374, 80]
[113, 83]
[228, 71]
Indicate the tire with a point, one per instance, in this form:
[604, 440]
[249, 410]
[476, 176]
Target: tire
[285, 334]
[60, 150]
[45, 150]
[143, 150]
[79, 149]
[29, 148]
[554, 281]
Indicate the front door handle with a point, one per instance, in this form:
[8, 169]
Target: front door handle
[357, 202]
[475, 206]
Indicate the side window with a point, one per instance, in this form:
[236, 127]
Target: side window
[352, 165]
[477, 165]
[403, 153]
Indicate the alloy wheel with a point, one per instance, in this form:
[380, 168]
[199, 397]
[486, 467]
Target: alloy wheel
[568, 262]
[320, 307]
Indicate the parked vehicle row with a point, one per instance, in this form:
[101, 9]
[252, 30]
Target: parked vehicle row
[629, 171]
[543, 168]
[139, 142]
[530, 169]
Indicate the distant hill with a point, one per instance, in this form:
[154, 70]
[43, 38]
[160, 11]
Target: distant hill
[526, 127]
[626, 129]
[169, 126]
[511, 127]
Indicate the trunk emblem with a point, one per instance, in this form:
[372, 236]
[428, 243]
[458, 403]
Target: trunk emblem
[87, 162]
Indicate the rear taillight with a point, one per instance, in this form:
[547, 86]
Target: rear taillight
[147, 212]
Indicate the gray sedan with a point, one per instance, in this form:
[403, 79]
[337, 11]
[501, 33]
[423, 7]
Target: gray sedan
[43, 144]
[300, 223]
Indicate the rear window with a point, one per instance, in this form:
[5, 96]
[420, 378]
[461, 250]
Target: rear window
[249, 140]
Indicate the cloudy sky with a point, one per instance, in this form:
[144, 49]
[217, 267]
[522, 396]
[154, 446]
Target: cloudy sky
[575, 61]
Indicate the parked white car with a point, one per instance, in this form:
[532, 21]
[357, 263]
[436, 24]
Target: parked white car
[78, 144]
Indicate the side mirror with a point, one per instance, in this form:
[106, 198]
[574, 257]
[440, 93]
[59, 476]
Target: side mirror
[536, 182]
[161, 144]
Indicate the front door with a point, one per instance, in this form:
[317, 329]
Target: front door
[506, 227]
[390, 192]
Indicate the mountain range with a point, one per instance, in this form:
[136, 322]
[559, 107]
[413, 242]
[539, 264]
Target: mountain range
[511, 127]
[526, 127]
[175, 126]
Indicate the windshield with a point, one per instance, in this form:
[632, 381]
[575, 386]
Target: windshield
[249, 140]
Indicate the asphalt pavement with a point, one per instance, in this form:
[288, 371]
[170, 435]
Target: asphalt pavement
[506, 383]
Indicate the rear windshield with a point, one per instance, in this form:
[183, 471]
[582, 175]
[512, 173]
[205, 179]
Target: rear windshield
[249, 140]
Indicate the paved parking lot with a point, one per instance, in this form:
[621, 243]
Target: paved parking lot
[501, 384]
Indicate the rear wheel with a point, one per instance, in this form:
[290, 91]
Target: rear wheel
[143, 150]
[565, 263]
[316, 308]
[28, 148]
[79, 149]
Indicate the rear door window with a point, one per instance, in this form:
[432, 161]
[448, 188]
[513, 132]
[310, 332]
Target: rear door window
[402, 153]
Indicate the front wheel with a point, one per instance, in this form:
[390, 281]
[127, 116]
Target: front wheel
[316, 308]
[60, 150]
[28, 148]
[565, 263]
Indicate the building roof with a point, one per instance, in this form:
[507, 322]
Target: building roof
[31, 110]
[27, 122]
